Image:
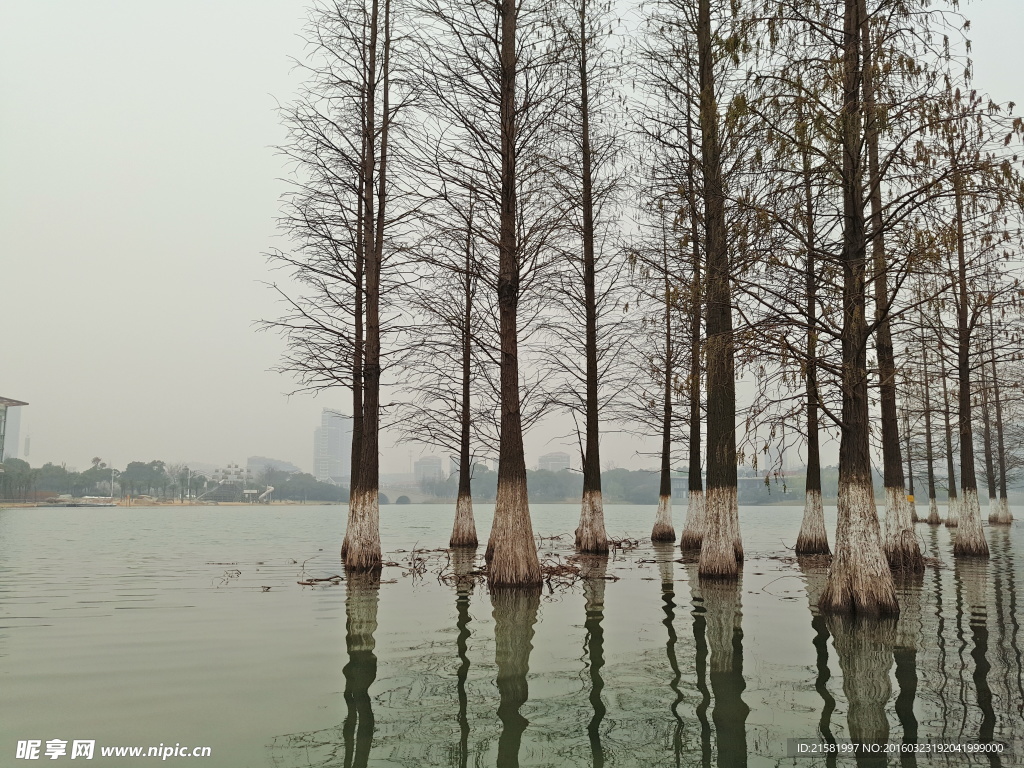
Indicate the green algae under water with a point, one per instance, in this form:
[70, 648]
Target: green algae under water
[185, 625]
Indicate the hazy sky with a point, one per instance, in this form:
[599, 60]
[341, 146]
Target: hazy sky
[138, 191]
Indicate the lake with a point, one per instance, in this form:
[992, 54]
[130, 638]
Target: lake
[186, 626]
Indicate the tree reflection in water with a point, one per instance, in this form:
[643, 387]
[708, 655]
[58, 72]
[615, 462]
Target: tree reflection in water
[594, 568]
[664, 553]
[463, 562]
[700, 661]
[361, 670]
[864, 646]
[515, 613]
[815, 572]
[909, 586]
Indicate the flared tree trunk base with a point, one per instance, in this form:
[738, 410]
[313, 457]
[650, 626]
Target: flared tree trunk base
[464, 530]
[693, 530]
[663, 529]
[363, 554]
[933, 513]
[901, 547]
[859, 581]
[1001, 515]
[952, 512]
[591, 535]
[718, 557]
[511, 551]
[813, 538]
[970, 536]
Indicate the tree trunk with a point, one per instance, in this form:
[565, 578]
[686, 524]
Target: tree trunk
[910, 464]
[859, 581]
[929, 453]
[511, 552]
[590, 535]
[363, 552]
[986, 440]
[721, 550]
[813, 538]
[901, 547]
[1003, 517]
[970, 539]
[953, 504]
[464, 529]
[696, 517]
[663, 529]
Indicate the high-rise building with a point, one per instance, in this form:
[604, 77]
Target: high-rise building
[554, 462]
[332, 448]
[428, 469]
[10, 426]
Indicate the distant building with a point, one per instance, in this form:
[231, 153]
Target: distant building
[554, 462]
[428, 469]
[10, 424]
[332, 448]
[257, 465]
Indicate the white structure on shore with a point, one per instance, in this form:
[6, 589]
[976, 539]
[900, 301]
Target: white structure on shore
[554, 462]
[10, 427]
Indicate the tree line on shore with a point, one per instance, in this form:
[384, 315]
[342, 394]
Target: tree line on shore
[20, 481]
[499, 212]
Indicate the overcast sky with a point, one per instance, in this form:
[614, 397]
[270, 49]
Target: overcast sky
[138, 191]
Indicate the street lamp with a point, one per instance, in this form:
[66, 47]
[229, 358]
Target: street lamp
[113, 472]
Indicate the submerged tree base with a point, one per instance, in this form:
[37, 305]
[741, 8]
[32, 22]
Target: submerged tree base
[901, 547]
[952, 512]
[1001, 514]
[511, 552]
[813, 538]
[970, 537]
[718, 556]
[663, 529]
[464, 530]
[591, 535]
[859, 581]
[693, 530]
[363, 535]
[933, 513]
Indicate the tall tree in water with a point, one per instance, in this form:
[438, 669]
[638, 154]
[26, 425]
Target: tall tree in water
[929, 450]
[721, 548]
[591, 275]
[859, 580]
[1002, 515]
[336, 213]
[901, 547]
[363, 533]
[494, 104]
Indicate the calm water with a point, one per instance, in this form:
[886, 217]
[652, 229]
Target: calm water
[155, 626]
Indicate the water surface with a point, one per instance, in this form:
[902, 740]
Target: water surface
[147, 626]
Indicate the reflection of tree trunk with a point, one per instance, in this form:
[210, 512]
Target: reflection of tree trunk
[725, 642]
[593, 570]
[700, 632]
[864, 646]
[1009, 627]
[515, 613]
[463, 561]
[815, 578]
[664, 554]
[973, 574]
[361, 669]
[908, 636]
